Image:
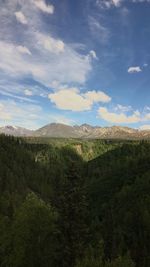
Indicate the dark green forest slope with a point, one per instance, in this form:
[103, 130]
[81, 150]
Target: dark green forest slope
[74, 203]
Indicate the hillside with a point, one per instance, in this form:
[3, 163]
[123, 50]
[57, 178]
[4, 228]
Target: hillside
[67, 205]
[84, 131]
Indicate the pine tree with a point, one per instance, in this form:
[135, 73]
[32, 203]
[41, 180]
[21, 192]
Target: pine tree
[73, 212]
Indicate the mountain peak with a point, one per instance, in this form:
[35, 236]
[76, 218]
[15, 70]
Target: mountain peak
[59, 130]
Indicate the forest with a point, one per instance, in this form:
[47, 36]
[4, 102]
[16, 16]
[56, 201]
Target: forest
[74, 203]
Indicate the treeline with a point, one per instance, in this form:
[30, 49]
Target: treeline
[57, 210]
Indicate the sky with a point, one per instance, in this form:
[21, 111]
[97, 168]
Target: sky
[75, 62]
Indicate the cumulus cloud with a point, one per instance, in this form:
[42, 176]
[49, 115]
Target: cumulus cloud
[21, 17]
[97, 96]
[41, 5]
[120, 118]
[134, 69]
[145, 127]
[72, 99]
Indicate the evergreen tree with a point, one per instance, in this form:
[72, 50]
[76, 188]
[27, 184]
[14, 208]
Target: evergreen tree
[73, 215]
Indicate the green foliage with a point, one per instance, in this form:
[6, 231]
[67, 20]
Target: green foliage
[124, 261]
[95, 257]
[72, 208]
[33, 234]
[74, 203]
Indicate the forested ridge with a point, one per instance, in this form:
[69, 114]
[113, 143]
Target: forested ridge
[74, 203]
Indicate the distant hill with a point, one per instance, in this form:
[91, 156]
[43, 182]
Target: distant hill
[86, 131]
[15, 131]
[57, 130]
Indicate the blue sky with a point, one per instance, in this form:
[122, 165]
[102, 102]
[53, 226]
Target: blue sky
[74, 62]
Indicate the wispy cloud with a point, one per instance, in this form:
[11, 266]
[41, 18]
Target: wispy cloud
[28, 92]
[93, 54]
[141, 1]
[20, 114]
[40, 4]
[27, 115]
[44, 67]
[39, 55]
[21, 17]
[23, 50]
[108, 3]
[123, 108]
[22, 98]
[98, 30]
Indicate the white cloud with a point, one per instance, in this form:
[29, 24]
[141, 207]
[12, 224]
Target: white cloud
[122, 108]
[28, 92]
[23, 50]
[146, 108]
[98, 30]
[93, 54]
[21, 17]
[51, 58]
[146, 117]
[116, 2]
[43, 66]
[72, 99]
[27, 115]
[97, 96]
[40, 4]
[20, 114]
[16, 90]
[22, 98]
[140, 1]
[4, 115]
[145, 127]
[113, 117]
[121, 116]
[50, 44]
[134, 69]
[108, 3]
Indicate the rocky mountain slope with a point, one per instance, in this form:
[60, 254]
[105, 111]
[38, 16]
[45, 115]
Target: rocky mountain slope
[15, 131]
[59, 130]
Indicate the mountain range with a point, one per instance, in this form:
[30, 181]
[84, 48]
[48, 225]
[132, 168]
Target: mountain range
[59, 130]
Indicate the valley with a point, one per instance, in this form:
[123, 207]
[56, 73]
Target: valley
[73, 202]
